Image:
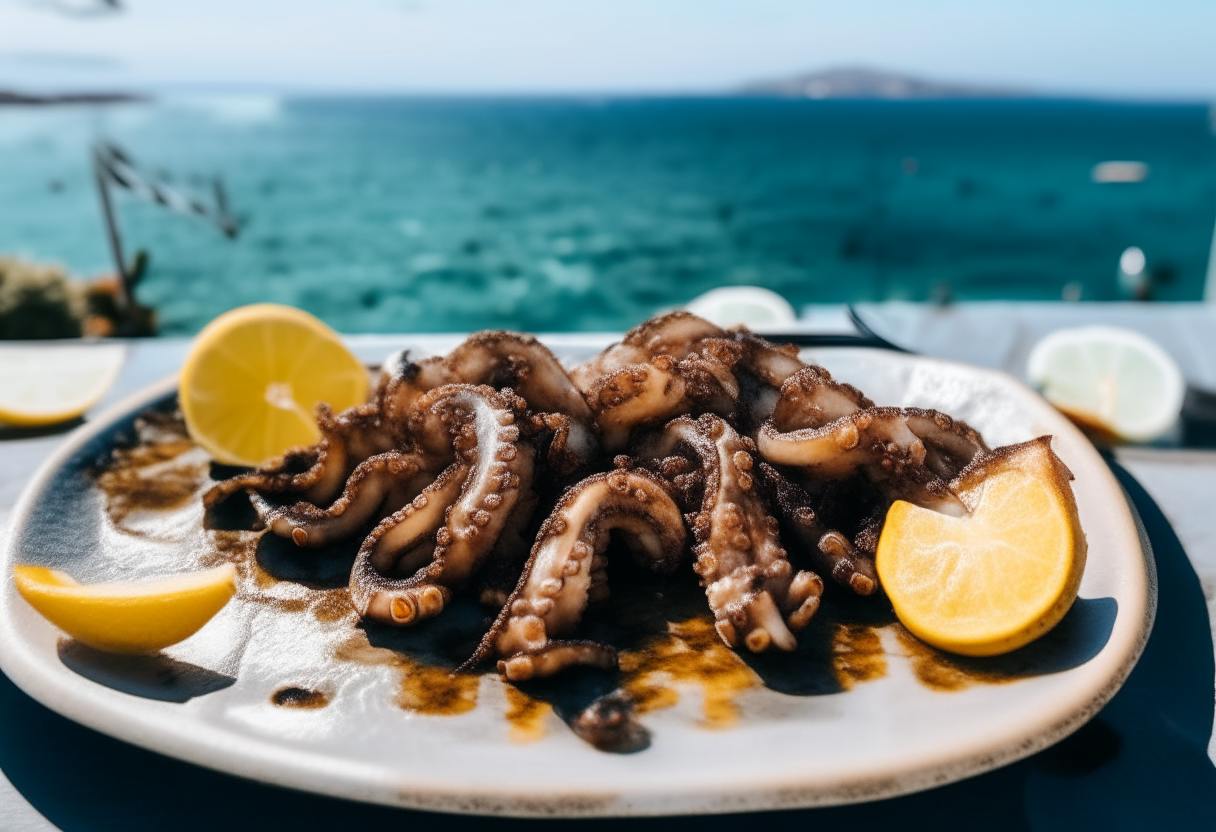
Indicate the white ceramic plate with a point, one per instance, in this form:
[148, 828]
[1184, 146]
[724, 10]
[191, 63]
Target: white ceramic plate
[858, 714]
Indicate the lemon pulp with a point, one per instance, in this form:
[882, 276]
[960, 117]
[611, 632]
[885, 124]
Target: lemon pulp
[1115, 383]
[254, 376]
[127, 616]
[999, 578]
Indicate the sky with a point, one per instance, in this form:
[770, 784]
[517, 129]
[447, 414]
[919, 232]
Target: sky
[1157, 49]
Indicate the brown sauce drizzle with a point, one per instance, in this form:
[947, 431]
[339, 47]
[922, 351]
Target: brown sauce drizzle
[689, 652]
[942, 672]
[526, 716]
[857, 654]
[424, 688]
[299, 698]
[253, 582]
[147, 475]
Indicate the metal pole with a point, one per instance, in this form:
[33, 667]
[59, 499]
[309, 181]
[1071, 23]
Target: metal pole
[107, 210]
[1209, 293]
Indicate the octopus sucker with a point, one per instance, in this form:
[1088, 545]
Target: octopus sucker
[474, 497]
[567, 564]
[380, 484]
[757, 597]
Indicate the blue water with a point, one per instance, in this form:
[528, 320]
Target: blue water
[432, 215]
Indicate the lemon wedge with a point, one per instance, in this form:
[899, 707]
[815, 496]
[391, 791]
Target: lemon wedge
[49, 383]
[1114, 382]
[999, 578]
[127, 616]
[254, 376]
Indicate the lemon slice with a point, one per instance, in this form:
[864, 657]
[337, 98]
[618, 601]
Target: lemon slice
[1116, 382]
[50, 383]
[752, 306]
[998, 578]
[127, 616]
[254, 376]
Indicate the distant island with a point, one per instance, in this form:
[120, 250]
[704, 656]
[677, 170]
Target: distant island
[20, 98]
[858, 82]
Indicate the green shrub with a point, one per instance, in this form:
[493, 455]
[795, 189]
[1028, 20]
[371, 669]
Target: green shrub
[39, 301]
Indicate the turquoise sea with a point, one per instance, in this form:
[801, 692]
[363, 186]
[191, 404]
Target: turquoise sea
[382, 214]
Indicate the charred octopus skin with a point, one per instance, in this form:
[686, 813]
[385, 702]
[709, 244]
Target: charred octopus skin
[448, 530]
[679, 364]
[567, 570]
[638, 396]
[316, 474]
[378, 486]
[830, 549]
[675, 334]
[757, 597]
[810, 398]
[881, 444]
[503, 359]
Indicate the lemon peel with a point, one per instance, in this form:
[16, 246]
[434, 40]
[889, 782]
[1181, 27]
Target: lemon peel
[127, 616]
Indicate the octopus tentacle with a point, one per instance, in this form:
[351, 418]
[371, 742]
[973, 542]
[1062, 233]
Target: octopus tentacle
[830, 549]
[504, 359]
[317, 473]
[771, 363]
[878, 442]
[566, 570]
[673, 334]
[756, 596]
[295, 472]
[478, 491]
[647, 394]
[762, 369]
[950, 445]
[405, 542]
[811, 398]
[382, 483]
[572, 442]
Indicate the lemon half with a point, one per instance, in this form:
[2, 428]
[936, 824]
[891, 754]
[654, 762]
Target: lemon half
[1115, 382]
[999, 578]
[254, 376]
[127, 616]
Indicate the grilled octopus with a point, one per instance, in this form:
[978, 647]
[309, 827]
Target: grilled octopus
[496, 470]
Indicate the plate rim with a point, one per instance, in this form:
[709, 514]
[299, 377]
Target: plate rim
[262, 759]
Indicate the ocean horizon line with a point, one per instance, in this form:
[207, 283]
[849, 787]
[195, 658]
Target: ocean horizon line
[152, 94]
